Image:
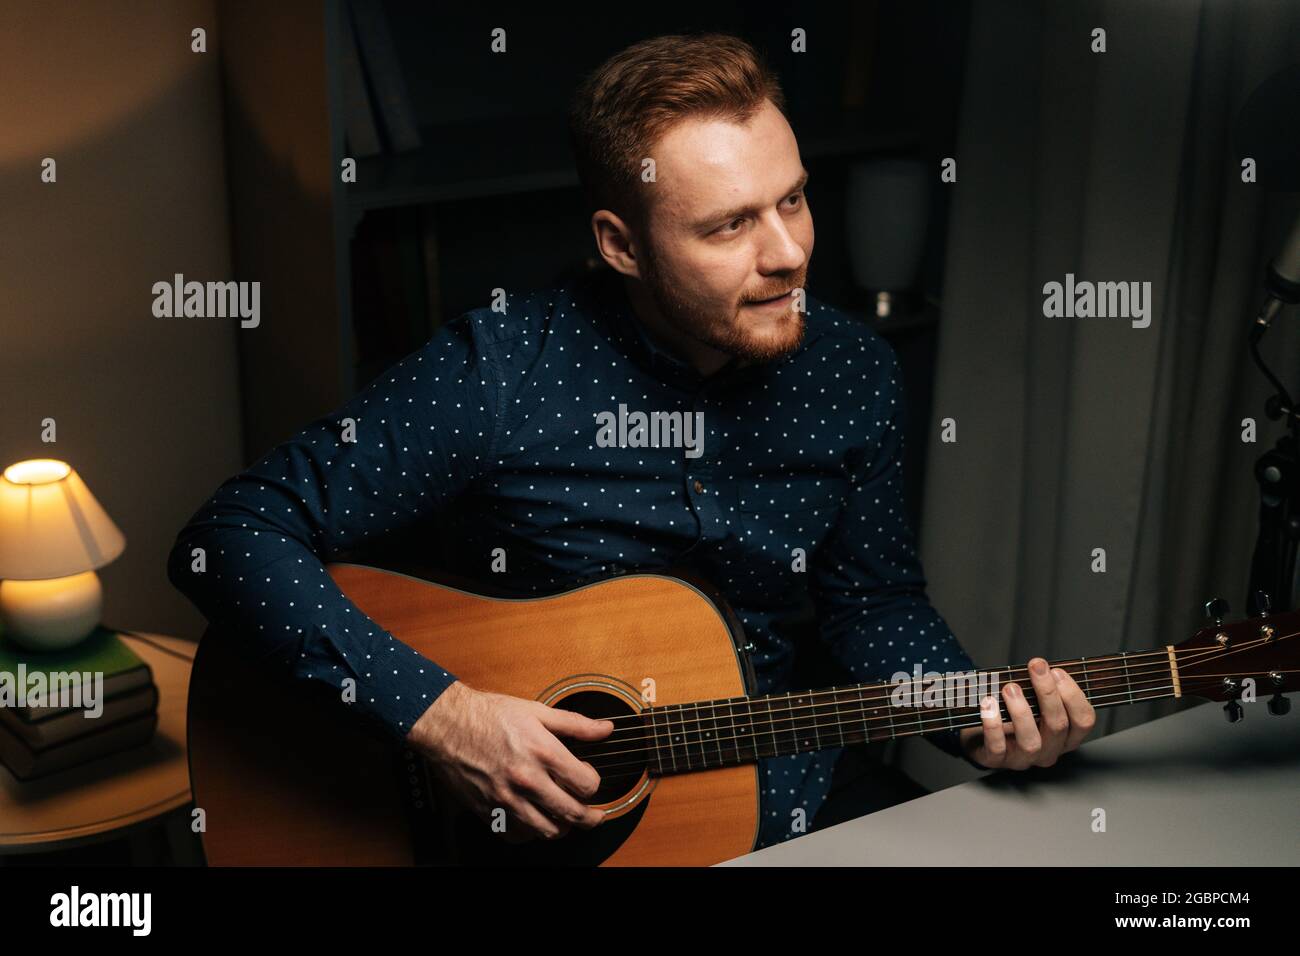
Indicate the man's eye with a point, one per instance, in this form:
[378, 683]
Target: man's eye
[727, 227]
[797, 197]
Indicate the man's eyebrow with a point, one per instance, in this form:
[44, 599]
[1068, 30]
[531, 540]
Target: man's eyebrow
[726, 215]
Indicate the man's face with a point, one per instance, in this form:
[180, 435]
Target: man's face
[729, 227]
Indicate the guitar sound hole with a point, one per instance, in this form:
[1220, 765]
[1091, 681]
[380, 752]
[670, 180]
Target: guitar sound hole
[621, 757]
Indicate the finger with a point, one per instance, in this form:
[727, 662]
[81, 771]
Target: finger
[1028, 742]
[1083, 717]
[578, 777]
[1053, 721]
[571, 724]
[533, 821]
[995, 739]
[561, 807]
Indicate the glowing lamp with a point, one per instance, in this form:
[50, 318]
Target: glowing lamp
[53, 535]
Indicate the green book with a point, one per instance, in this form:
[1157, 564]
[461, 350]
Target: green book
[103, 651]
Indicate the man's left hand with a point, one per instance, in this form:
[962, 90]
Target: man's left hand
[1065, 719]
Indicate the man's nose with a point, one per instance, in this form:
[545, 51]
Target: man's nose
[779, 252]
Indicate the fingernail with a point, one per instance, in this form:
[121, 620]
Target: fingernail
[1039, 666]
[1058, 674]
[1013, 690]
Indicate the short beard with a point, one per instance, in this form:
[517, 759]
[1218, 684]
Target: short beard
[702, 325]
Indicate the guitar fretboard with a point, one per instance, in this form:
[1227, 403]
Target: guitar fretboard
[736, 730]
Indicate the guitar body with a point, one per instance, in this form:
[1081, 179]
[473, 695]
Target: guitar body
[286, 778]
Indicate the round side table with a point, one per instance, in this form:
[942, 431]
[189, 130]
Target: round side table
[120, 795]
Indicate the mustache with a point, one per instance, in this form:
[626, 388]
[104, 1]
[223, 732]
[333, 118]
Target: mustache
[775, 295]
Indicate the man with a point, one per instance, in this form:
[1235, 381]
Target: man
[793, 487]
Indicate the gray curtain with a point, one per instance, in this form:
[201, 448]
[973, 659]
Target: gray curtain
[1080, 433]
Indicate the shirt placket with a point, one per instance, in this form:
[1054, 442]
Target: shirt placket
[705, 486]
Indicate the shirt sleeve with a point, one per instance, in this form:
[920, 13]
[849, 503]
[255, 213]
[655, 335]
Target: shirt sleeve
[252, 558]
[867, 581]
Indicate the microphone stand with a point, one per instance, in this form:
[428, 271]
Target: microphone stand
[1273, 563]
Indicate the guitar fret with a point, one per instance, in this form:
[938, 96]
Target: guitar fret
[836, 706]
[792, 715]
[666, 726]
[654, 727]
[668, 732]
[772, 718]
[717, 737]
[684, 736]
[866, 728]
[787, 723]
[950, 703]
[747, 729]
[771, 726]
[697, 721]
[813, 720]
[746, 732]
[1128, 682]
[918, 705]
[1087, 688]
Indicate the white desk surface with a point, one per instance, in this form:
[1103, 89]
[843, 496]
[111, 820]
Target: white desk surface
[1189, 789]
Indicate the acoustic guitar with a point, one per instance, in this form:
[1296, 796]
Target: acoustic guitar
[285, 777]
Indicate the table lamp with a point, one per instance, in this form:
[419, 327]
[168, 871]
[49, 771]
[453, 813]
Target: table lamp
[888, 211]
[53, 535]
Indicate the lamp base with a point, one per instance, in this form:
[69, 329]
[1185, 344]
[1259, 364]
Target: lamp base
[51, 614]
[884, 305]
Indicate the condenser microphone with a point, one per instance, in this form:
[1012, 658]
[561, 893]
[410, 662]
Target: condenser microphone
[1282, 277]
[1267, 132]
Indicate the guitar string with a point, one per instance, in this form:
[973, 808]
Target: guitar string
[737, 757]
[769, 727]
[1090, 677]
[1194, 655]
[656, 747]
[852, 710]
[918, 727]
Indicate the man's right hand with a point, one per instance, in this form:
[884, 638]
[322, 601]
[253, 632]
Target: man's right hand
[494, 751]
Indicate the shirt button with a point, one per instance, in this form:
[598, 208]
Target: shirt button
[699, 487]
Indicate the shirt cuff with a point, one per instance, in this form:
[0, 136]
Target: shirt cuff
[387, 683]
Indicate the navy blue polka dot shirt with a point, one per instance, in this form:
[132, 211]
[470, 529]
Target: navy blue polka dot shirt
[491, 430]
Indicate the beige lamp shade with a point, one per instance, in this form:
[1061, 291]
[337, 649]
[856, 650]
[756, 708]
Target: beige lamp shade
[51, 526]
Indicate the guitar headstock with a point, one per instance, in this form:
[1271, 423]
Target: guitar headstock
[1258, 656]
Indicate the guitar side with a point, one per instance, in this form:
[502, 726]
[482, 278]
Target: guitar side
[285, 778]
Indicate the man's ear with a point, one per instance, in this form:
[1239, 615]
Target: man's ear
[616, 243]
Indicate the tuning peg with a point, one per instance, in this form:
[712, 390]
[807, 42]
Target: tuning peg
[1277, 704]
[1216, 609]
[1263, 604]
[1232, 710]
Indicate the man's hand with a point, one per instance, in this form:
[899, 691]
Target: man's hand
[497, 751]
[1066, 718]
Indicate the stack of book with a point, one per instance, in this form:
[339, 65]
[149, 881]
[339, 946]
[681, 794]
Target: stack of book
[60, 709]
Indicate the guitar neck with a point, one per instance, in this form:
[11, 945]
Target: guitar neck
[736, 730]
